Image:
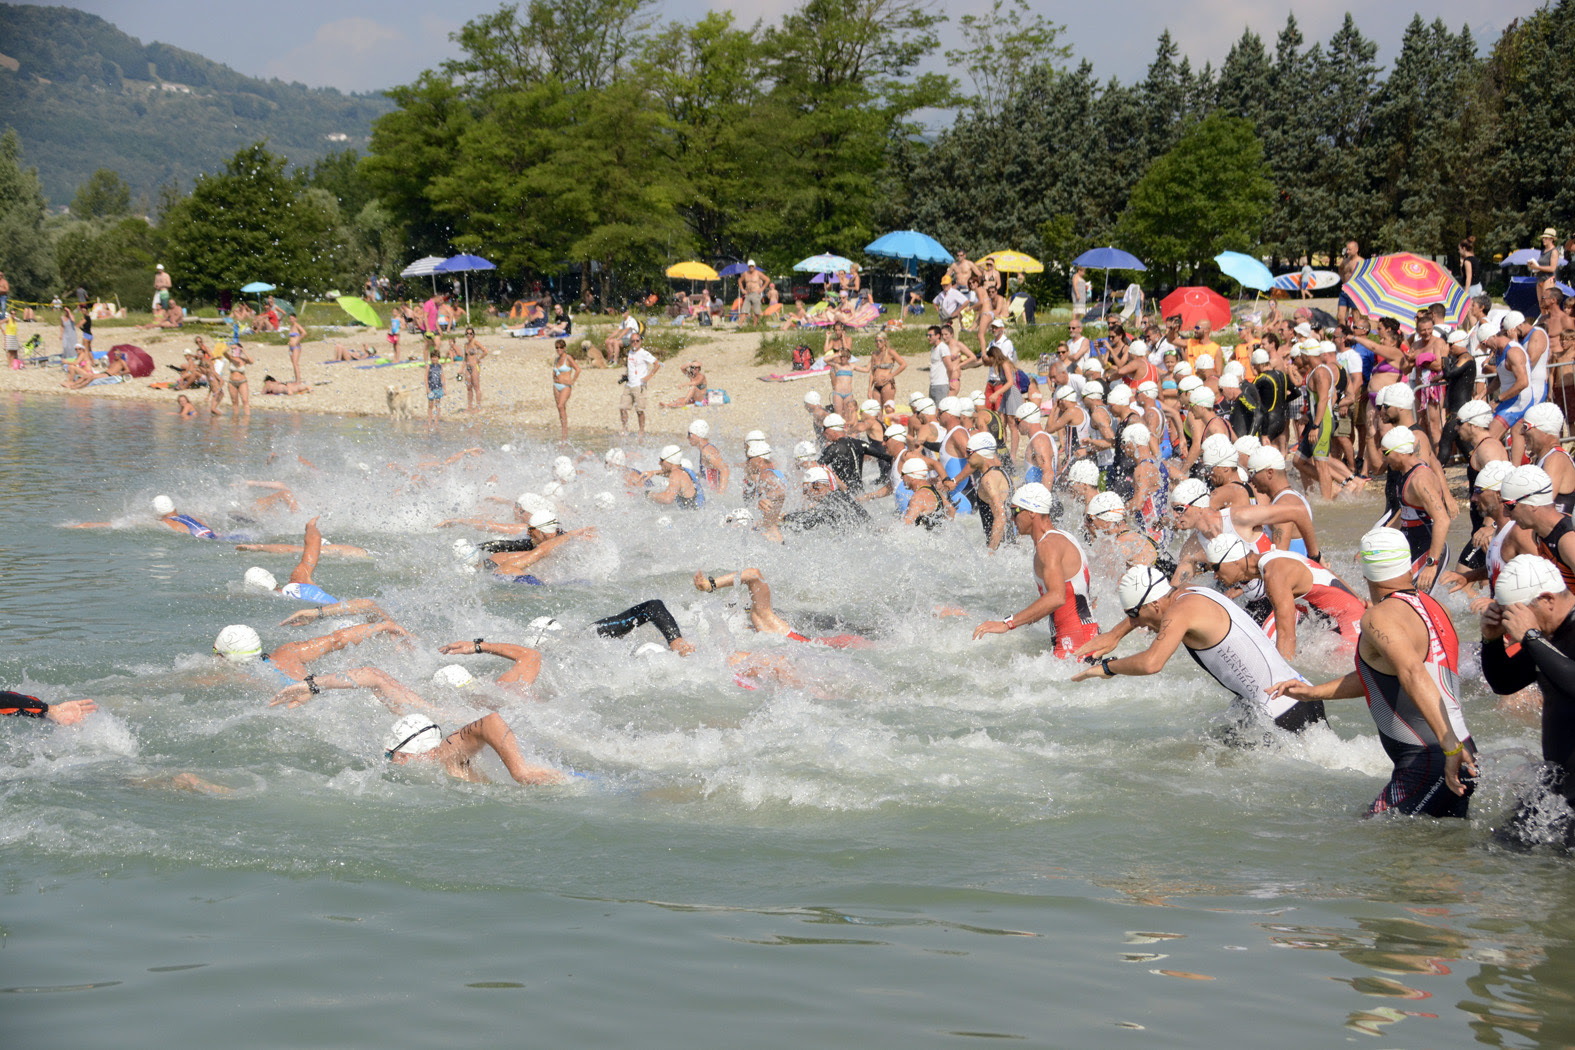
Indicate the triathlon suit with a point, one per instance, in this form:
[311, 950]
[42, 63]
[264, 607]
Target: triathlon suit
[1073, 623]
[1246, 663]
[1167, 448]
[1329, 598]
[1076, 436]
[1549, 549]
[694, 502]
[899, 488]
[1414, 522]
[1495, 554]
[954, 465]
[1417, 784]
[193, 526]
[752, 488]
[1312, 446]
[1273, 402]
[1566, 502]
[1152, 511]
[21, 704]
[1106, 457]
[987, 515]
[1298, 545]
[1036, 473]
[1509, 412]
[931, 519]
[308, 592]
[1263, 543]
[710, 475]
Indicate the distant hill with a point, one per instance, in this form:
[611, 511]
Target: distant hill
[83, 95]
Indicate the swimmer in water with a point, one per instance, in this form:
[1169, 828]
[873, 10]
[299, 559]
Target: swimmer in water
[1060, 573]
[301, 586]
[164, 507]
[240, 645]
[62, 712]
[762, 617]
[544, 535]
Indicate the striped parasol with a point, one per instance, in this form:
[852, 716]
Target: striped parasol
[1399, 285]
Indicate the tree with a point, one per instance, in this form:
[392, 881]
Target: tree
[1003, 48]
[411, 147]
[341, 175]
[112, 260]
[582, 44]
[25, 255]
[1209, 194]
[104, 195]
[250, 222]
[1244, 81]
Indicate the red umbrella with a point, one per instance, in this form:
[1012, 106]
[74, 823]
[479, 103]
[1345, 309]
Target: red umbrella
[1196, 304]
[137, 359]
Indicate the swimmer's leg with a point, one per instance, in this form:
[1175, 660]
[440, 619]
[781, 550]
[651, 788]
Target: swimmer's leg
[311, 550]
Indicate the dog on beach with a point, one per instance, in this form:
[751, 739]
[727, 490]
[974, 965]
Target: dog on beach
[399, 402]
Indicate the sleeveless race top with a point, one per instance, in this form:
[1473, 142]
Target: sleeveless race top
[1401, 727]
[1073, 623]
[1328, 595]
[1262, 542]
[1566, 502]
[1245, 662]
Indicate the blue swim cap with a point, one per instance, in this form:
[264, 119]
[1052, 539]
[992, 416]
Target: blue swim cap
[1169, 384]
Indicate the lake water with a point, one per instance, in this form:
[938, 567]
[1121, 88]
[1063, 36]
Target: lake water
[935, 842]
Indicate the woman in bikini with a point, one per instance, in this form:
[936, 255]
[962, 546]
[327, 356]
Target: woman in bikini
[1391, 361]
[841, 361]
[885, 366]
[297, 333]
[564, 372]
[474, 354]
[240, 392]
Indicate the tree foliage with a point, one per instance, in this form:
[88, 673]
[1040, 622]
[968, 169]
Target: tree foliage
[25, 255]
[104, 195]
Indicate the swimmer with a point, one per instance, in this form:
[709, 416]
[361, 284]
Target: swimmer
[164, 507]
[279, 492]
[683, 490]
[1293, 584]
[240, 645]
[1060, 573]
[61, 712]
[762, 617]
[545, 535]
[523, 507]
[301, 586]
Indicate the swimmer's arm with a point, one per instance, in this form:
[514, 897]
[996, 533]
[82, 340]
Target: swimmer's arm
[1153, 659]
[492, 731]
[527, 661]
[503, 528]
[1191, 561]
[292, 657]
[91, 525]
[350, 607]
[1045, 605]
[1284, 601]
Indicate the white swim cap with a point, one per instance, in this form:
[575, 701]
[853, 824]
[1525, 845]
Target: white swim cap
[1384, 554]
[757, 450]
[505, 447]
[754, 435]
[1106, 506]
[1137, 434]
[1266, 458]
[544, 519]
[923, 406]
[833, 422]
[1491, 477]
[1327, 347]
[563, 468]
[238, 644]
[163, 505]
[1247, 444]
[1091, 364]
[1397, 395]
[664, 522]
[915, 468]
[1190, 492]
[1202, 397]
[1148, 388]
[1233, 367]
[1083, 472]
[1546, 417]
[1489, 328]
[454, 676]
[805, 450]
[1120, 394]
[467, 551]
[1188, 384]
[531, 502]
[1530, 485]
[1066, 392]
[1033, 497]
[812, 398]
[1459, 337]
[1476, 413]
[896, 430]
[604, 501]
[947, 406]
[412, 735]
[1203, 362]
[1094, 390]
[1231, 380]
[615, 457]
[1227, 546]
[1219, 452]
[260, 579]
[1304, 330]
[1513, 319]
[870, 408]
[1140, 585]
[543, 625]
[670, 454]
[817, 475]
[551, 489]
[1260, 356]
[978, 399]
[1028, 412]
[1526, 576]
[1181, 369]
[700, 429]
[687, 463]
[741, 516]
[964, 407]
[1399, 439]
[982, 442]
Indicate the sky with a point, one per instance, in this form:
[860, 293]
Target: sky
[336, 43]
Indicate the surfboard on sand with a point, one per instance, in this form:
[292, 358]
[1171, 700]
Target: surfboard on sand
[788, 377]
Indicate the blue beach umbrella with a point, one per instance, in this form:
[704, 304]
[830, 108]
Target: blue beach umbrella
[256, 288]
[1108, 259]
[464, 264]
[818, 263]
[1245, 270]
[911, 248]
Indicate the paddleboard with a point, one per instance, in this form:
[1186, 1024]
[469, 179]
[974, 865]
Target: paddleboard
[787, 377]
[1292, 282]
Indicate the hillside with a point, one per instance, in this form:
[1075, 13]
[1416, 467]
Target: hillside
[84, 95]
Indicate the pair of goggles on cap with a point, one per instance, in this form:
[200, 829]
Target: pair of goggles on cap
[397, 748]
[1510, 503]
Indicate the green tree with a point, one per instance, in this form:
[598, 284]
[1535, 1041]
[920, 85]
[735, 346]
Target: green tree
[104, 195]
[112, 260]
[411, 147]
[253, 222]
[1002, 48]
[1209, 194]
[1244, 81]
[581, 44]
[341, 175]
[25, 254]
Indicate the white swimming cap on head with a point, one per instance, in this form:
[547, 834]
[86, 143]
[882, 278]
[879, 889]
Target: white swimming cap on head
[1225, 547]
[563, 468]
[260, 579]
[870, 407]
[1190, 492]
[833, 422]
[923, 406]
[982, 442]
[543, 519]
[1188, 384]
[1476, 413]
[1140, 585]
[758, 450]
[412, 735]
[604, 501]
[1231, 380]
[1397, 395]
[1120, 394]
[238, 644]
[1234, 367]
[1247, 444]
[1181, 369]
[896, 430]
[551, 489]
[1066, 392]
[978, 398]
[1028, 412]
[947, 406]
[754, 435]
[454, 676]
[467, 551]
[1091, 364]
[531, 502]
[1384, 554]
[163, 505]
[1399, 439]
[1530, 485]
[1513, 319]
[1105, 506]
[915, 468]
[1202, 397]
[741, 516]
[664, 522]
[1546, 417]
[1260, 356]
[1148, 388]
[965, 407]
[1527, 576]
[1034, 498]
[805, 450]
[615, 457]
[1220, 453]
[543, 625]
[1083, 472]
[817, 475]
[1491, 477]
[1459, 337]
[670, 454]
[1203, 362]
[700, 429]
[1094, 390]
[1136, 434]
[812, 398]
[1266, 458]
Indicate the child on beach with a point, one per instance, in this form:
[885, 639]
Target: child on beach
[13, 345]
[395, 323]
[434, 382]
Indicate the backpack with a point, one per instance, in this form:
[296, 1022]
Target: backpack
[803, 358]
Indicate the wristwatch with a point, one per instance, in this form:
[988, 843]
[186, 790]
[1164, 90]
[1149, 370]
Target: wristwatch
[1531, 636]
[1105, 666]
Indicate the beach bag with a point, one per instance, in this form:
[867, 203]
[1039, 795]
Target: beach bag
[803, 358]
[713, 396]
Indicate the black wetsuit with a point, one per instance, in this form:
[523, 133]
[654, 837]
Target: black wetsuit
[22, 704]
[837, 510]
[652, 612]
[1543, 661]
[524, 543]
[1460, 382]
[1245, 413]
[1274, 403]
[844, 457]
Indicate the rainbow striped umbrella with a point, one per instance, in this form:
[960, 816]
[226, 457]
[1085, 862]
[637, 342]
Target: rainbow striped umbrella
[1399, 285]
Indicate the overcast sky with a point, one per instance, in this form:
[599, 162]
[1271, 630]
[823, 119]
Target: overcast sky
[335, 43]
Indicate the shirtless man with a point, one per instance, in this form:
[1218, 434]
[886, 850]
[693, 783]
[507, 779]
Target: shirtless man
[762, 617]
[752, 282]
[1415, 498]
[1349, 261]
[1060, 573]
[713, 468]
[161, 286]
[961, 270]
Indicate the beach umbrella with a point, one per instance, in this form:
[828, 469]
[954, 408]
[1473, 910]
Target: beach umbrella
[464, 264]
[256, 288]
[137, 359]
[1194, 304]
[360, 309]
[823, 278]
[1399, 285]
[1108, 259]
[426, 266]
[1015, 262]
[817, 263]
[908, 244]
[1521, 257]
[1245, 271]
[692, 271]
[732, 270]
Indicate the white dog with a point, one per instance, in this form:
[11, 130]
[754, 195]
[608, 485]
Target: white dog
[399, 402]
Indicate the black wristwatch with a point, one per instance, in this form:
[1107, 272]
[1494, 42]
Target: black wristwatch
[1531, 636]
[311, 683]
[1105, 666]
[478, 645]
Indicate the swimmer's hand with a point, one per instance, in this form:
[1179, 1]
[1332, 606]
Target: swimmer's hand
[292, 695]
[1096, 672]
[1453, 764]
[455, 648]
[586, 533]
[1296, 689]
[990, 627]
[703, 582]
[297, 619]
[1455, 581]
[70, 712]
[1097, 646]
